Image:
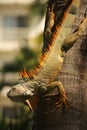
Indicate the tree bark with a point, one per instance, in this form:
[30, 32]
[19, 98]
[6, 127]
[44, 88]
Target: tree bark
[74, 77]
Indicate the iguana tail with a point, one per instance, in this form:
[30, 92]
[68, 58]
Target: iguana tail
[56, 13]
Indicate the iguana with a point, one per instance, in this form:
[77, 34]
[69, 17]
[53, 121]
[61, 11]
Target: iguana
[42, 80]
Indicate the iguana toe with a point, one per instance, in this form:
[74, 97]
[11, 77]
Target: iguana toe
[63, 101]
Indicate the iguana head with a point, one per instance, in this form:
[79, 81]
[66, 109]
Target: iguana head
[26, 92]
[19, 93]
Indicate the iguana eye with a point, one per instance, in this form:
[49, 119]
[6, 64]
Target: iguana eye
[13, 88]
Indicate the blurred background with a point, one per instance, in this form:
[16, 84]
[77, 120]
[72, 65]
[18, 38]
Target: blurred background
[21, 34]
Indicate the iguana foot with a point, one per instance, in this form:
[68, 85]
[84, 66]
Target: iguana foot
[63, 101]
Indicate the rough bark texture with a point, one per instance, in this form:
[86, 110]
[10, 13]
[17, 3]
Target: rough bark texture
[74, 77]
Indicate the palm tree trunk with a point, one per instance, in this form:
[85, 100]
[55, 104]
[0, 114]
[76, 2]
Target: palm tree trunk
[74, 77]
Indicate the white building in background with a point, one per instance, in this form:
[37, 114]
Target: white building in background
[13, 23]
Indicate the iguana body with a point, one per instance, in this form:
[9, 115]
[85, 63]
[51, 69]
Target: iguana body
[43, 81]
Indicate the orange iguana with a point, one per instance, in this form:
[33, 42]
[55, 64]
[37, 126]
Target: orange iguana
[42, 79]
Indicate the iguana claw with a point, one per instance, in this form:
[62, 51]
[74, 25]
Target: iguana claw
[63, 101]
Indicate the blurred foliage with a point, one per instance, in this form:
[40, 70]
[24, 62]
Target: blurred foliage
[37, 11]
[27, 58]
[22, 120]
[73, 9]
[38, 40]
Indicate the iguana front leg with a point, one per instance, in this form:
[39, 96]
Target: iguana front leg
[62, 95]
